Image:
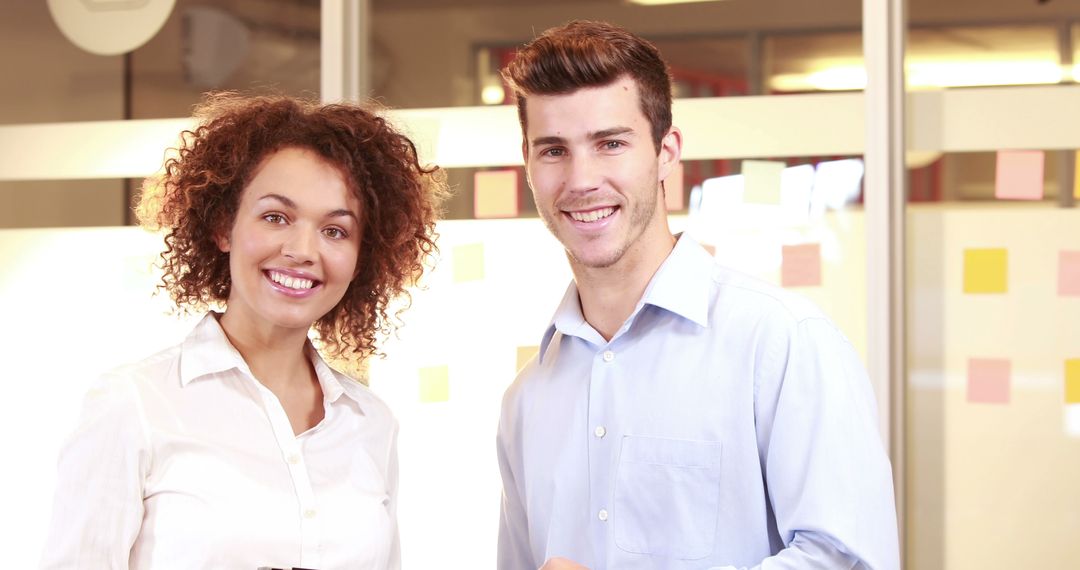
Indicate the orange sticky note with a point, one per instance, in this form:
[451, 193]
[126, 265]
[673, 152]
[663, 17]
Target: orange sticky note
[1072, 381]
[1019, 175]
[801, 265]
[434, 384]
[986, 270]
[468, 262]
[761, 181]
[988, 380]
[495, 194]
[1069, 273]
[524, 353]
[673, 189]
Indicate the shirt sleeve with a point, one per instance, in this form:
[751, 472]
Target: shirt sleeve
[394, 562]
[98, 504]
[513, 552]
[828, 476]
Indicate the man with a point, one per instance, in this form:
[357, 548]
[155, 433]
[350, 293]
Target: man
[678, 415]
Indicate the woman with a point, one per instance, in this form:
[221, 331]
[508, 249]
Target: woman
[240, 447]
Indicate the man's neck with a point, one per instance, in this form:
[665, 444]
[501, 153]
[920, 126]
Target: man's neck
[609, 295]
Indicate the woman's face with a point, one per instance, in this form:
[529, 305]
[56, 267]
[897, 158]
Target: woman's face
[294, 244]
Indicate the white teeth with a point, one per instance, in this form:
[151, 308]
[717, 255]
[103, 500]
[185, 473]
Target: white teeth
[291, 282]
[593, 215]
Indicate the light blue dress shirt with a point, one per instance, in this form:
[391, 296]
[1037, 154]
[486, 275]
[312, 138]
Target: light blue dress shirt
[727, 424]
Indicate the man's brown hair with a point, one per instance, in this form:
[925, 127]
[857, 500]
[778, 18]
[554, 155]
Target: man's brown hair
[592, 54]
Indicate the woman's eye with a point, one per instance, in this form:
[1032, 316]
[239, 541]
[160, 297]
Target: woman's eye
[335, 233]
[274, 218]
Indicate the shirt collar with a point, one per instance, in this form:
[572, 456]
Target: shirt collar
[683, 282]
[207, 351]
[681, 285]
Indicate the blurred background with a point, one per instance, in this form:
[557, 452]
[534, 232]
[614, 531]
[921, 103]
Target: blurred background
[978, 267]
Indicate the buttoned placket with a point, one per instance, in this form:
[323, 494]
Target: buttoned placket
[603, 374]
[293, 457]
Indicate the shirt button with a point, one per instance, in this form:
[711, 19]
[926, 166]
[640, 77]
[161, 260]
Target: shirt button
[602, 515]
[599, 431]
[609, 356]
[309, 514]
[293, 459]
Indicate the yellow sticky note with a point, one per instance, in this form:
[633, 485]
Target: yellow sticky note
[495, 194]
[524, 353]
[1072, 381]
[435, 384]
[761, 181]
[468, 262]
[673, 189]
[986, 270]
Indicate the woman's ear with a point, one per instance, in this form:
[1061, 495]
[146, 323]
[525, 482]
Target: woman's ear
[222, 241]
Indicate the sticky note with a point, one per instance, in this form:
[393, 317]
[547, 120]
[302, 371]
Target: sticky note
[761, 179]
[524, 353]
[468, 262]
[801, 265]
[673, 189]
[988, 380]
[1069, 273]
[434, 384]
[1072, 381]
[1019, 175]
[986, 270]
[495, 194]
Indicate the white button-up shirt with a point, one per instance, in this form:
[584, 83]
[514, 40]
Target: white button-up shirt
[727, 424]
[185, 460]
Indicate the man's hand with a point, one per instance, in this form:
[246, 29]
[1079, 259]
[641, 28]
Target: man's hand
[562, 564]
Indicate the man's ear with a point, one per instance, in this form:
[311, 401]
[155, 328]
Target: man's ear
[670, 153]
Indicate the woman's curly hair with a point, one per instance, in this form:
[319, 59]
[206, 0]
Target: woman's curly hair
[196, 196]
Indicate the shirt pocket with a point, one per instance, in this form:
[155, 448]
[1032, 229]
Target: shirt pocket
[667, 497]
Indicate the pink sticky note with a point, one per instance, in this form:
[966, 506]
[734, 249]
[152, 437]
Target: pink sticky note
[1019, 175]
[801, 265]
[673, 189]
[988, 380]
[1069, 273]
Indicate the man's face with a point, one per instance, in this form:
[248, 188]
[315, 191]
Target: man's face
[595, 173]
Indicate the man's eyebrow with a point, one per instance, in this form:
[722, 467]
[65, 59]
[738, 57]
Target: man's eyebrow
[612, 132]
[548, 140]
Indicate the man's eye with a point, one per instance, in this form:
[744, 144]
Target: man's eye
[553, 152]
[612, 145]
